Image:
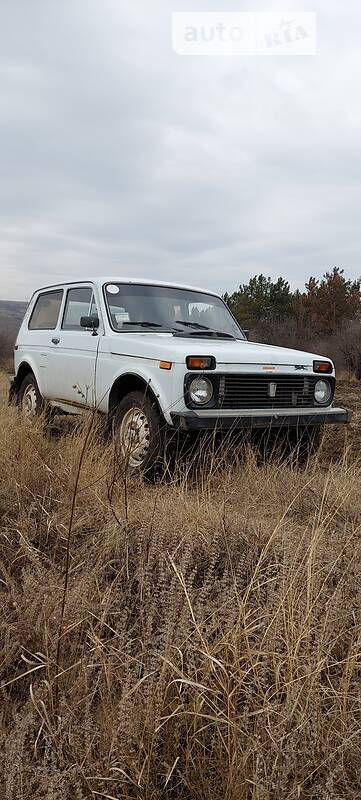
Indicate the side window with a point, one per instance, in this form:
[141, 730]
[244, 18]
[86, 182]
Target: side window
[45, 313]
[80, 302]
[93, 308]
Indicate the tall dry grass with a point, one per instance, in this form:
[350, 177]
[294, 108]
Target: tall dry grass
[210, 643]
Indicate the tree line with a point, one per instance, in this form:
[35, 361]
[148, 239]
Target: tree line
[327, 314]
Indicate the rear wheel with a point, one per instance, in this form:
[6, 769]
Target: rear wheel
[137, 427]
[30, 400]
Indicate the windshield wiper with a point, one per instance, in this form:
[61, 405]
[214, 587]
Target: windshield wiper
[206, 333]
[212, 333]
[191, 324]
[203, 328]
[145, 324]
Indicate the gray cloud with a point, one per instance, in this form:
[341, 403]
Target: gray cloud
[118, 156]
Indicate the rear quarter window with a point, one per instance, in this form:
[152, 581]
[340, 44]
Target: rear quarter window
[46, 311]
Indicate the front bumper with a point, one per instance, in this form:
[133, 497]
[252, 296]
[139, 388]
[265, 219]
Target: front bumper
[284, 418]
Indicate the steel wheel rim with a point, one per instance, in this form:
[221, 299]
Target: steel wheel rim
[134, 434]
[30, 402]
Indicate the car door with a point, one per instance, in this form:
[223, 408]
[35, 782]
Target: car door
[34, 338]
[71, 371]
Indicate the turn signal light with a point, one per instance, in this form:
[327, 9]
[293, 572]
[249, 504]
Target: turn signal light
[322, 366]
[165, 365]
[201, 362]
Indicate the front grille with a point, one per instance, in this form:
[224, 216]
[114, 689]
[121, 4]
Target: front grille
[266, 391]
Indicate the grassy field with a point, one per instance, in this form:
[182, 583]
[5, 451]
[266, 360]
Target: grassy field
[197, 638]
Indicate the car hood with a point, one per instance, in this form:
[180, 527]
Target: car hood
[165, 346]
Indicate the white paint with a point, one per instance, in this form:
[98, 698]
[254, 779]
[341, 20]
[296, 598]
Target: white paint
[76, 369]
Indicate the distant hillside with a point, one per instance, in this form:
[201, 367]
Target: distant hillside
[11, 315]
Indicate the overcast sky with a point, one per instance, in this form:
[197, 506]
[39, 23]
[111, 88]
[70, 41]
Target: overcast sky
[119, 156]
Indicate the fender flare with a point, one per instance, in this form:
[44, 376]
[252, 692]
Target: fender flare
[129, 381]
[26, 366]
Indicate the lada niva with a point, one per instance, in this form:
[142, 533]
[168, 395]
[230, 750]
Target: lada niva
[158, 357]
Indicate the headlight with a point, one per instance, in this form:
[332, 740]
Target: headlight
[323, 392]
[200, 391]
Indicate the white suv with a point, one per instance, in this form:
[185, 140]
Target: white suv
[157, 357]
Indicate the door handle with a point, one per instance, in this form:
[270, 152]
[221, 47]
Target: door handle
[55, 340]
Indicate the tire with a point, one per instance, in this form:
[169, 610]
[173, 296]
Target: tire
[137, 427]
[30, 401]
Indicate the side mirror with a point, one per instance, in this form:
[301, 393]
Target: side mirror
[247, 334]
[91, 323]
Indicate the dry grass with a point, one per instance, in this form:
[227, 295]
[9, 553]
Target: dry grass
[211, 640]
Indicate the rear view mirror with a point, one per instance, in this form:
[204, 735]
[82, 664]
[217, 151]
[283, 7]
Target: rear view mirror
[91, 323]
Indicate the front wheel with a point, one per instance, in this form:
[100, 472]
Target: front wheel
[30, 400]
[139, 432]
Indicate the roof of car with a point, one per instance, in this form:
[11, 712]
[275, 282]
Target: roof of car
[100, 281]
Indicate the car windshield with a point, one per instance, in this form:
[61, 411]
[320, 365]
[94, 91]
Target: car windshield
[133, 307]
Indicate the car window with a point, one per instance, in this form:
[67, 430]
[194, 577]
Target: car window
[80, 302]
[93, 308]
[205, 314]
[136, 306]
[46, 311]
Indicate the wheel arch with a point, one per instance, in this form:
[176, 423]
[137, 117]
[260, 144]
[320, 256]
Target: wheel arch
[24, 369]
[131, 382]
